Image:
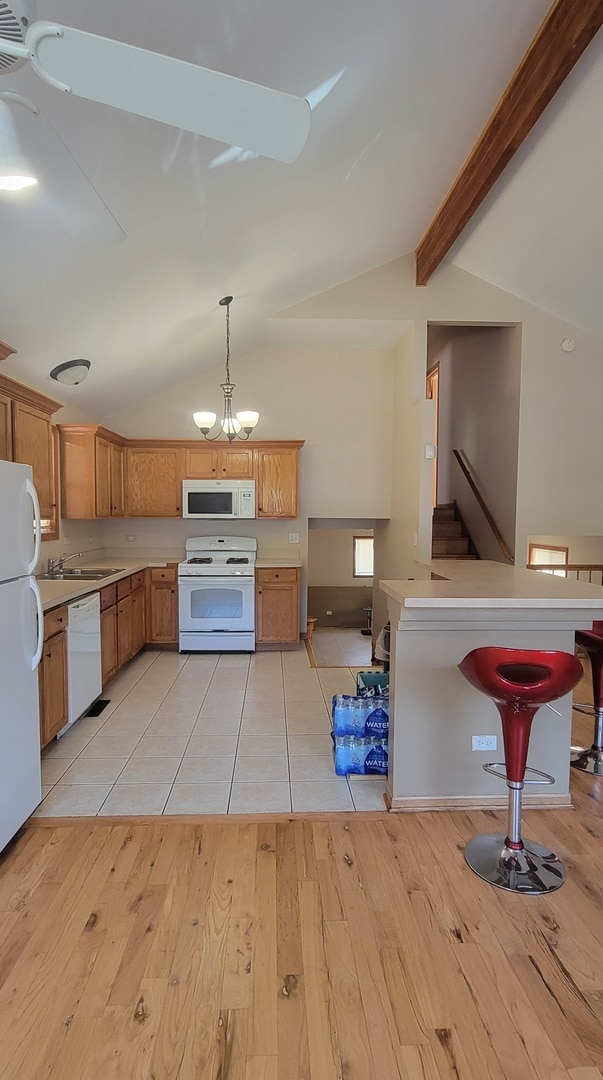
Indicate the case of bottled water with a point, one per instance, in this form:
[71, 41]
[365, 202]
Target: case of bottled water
[360, 732]
[357, 755]
[360, 716]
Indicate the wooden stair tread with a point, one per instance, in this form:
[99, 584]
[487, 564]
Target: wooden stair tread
[449, 536]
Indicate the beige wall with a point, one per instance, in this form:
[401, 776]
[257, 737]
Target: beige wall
[339, 400]
[331, 557]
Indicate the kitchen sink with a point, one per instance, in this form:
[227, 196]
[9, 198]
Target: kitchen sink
[80, 573]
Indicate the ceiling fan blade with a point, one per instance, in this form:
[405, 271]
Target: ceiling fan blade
[175, 92]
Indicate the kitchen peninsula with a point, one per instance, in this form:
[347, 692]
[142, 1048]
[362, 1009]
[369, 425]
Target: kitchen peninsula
[434, 712]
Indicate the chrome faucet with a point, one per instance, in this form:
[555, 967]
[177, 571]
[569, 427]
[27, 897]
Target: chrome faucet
[55, 566]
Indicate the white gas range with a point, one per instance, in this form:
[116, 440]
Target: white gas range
[216, 594]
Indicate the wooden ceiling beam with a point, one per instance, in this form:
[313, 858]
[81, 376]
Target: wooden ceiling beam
[564, 35]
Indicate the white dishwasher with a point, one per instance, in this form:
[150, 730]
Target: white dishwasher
[84, 676]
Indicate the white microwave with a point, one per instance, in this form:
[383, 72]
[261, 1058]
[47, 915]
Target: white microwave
[218, 499]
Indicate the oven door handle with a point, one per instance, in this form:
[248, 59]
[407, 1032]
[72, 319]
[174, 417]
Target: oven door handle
[197, 579]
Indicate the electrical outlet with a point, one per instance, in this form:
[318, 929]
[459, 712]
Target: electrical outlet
[130, 538]
[294, 538]
[328, 612]
[483, 742]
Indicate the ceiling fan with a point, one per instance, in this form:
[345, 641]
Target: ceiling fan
[184, 95]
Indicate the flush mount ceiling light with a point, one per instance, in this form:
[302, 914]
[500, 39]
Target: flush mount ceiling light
[230, 426]
[15, 171]
[71, 372]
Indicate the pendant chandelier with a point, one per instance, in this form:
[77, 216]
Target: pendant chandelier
[230, 426]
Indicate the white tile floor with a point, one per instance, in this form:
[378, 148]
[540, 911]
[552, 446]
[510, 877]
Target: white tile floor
[207, 734]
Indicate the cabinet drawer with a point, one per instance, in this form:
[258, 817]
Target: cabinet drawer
[54, 621]
[108, 596]
[283, 575]
[137, 581]
[123, 587]
[163, 573]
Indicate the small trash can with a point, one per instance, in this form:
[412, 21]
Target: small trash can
[382, 647]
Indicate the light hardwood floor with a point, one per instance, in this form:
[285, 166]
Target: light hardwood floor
[339, 947]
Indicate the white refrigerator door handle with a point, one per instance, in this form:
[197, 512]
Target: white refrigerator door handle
[31, 491]
[35, 660]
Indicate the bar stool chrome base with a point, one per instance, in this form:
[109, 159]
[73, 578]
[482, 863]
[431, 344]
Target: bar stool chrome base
[589, 761]
[533, 870]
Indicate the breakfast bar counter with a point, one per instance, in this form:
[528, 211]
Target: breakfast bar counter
[434, 712]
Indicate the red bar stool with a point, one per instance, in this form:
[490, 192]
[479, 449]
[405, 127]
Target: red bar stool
[519, 681]
[591, 760]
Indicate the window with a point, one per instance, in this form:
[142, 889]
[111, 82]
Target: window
[551, 556]
[363, 556]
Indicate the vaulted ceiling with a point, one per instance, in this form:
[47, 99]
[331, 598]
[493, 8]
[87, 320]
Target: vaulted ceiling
[400, 91]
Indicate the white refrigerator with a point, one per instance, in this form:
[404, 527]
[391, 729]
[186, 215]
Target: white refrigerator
[21, 635]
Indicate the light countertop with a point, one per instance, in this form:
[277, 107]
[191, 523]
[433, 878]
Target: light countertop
[54, 593]
[483, 584]
[275, 562]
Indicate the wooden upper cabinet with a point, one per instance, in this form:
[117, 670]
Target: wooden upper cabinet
[216, 463]
[91, 472]
[109, 467]
[116, 471]
[276, 481]
[102, 462]
[26, 435]
[106, 475]
[6, 428]
[32, 445]
[153, 481]
[201, 463]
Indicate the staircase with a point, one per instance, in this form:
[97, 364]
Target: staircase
[449, 537]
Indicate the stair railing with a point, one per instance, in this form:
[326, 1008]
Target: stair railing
[463, 461]
[591, 573]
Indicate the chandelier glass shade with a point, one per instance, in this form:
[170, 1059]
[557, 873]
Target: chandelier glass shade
[233, 426]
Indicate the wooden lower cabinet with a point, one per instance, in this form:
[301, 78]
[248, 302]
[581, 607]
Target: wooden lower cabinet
[109, 643]
[277, 606]
[123, 623]
[108, 617]
[162, 605]
[124, 631]
[138, 620]
[52, 675]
